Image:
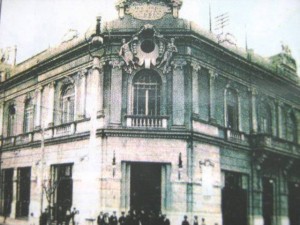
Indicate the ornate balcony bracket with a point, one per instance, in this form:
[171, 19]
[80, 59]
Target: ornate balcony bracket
[259, 159]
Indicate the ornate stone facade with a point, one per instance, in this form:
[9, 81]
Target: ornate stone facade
[213, 131]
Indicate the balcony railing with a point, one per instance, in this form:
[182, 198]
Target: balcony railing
[24, 138]
[50, 132]
[233, 135]
[146, 121]
[64, 129]
[268, 142]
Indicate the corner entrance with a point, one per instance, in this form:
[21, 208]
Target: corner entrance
[145, 186]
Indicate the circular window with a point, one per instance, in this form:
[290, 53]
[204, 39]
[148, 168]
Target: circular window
[147, 46]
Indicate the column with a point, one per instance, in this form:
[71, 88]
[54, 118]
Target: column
[1, 118]
[116, 91]
[178, 92]
[38, 107]
[50, 106]
[212, 99]
[253, 122]
[195, 84]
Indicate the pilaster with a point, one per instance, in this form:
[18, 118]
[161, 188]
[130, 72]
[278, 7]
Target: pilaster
[178, 92]
[279, 119]
[116, 91]
[212, 96]
[38, 107]
[98, 86]
[14, 197]
[1, 118]
[195, 85]
[81, 94]
[50, 105]
[253, 95]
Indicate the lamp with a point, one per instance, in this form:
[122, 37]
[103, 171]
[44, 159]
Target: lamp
[179, 166]
[114, 164]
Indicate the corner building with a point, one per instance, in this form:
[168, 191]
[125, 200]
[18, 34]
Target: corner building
[151, 112]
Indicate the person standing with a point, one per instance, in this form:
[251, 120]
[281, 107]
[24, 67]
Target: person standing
[72, 215]
[59, 219]
[76, 218]
[44, 217]
[122, 219]
[203, 221]
[113, 220]
[68, 217]
[195, 222]
[185, 221]
[165, 221]
[100, 218]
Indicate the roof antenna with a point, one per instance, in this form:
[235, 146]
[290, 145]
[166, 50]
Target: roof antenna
[246, 38]
[210, 26]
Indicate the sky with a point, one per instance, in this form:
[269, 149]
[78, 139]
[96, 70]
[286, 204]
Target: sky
[35, 25]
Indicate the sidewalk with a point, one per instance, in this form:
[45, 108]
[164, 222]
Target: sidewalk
[10, 221]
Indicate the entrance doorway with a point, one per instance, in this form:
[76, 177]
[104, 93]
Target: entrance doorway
[7, 191]
[268, 201]
[294, 203]
[234, 200]
[145, 186]
[62, 198]
[23, 192]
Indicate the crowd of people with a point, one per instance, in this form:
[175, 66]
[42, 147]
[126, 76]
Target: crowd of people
[71, 217]
[141, 218]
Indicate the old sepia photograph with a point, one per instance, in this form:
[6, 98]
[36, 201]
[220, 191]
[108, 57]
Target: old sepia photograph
[149, 112]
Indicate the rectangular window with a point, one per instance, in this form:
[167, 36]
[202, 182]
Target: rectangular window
[232, 117]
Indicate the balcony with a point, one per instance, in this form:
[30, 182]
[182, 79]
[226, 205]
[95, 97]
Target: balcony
[62, 130]
[142, 121]
[233, 135]
[24, 138]
[267, 142]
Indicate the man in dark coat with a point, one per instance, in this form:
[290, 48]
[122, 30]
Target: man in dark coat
[185, 221]
[122, 219]
[100, 218]
[44, 217]
[113, 220]
[165, 221]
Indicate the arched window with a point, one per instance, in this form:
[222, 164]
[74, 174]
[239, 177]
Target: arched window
[232, 109]
[67, 103]
[265, 119]
[291, 125]
[147, 86]
[11, 120]
[28, 115]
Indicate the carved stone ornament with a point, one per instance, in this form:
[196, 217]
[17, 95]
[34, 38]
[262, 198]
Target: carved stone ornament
[196, 66]
[115, 63]
[144, 11]
[179, 63]
[147, 48]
